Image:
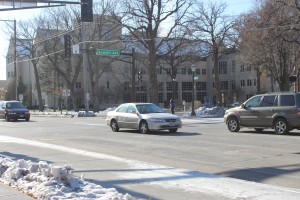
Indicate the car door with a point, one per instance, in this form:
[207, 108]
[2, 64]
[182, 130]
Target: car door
[266, 110]
[121, 114]
[249, 114]
[132, 118]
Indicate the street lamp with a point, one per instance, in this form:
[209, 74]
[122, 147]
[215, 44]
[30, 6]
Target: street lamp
[193, 95]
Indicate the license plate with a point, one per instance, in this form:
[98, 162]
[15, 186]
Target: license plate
[21, 115]
[171, 124]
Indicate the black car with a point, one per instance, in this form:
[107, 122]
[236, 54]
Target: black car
[13, 110]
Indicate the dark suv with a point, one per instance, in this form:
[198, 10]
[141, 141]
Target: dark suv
[13, 110]
[280, 111]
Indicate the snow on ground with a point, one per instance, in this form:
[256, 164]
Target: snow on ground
[44, 181]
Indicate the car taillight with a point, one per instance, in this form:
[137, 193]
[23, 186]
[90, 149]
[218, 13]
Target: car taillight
[298, 111]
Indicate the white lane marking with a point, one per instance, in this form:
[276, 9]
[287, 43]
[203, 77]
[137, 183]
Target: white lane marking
[169, 177]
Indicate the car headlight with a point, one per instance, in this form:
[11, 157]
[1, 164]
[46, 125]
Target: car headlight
[156, 120]
[26, 113]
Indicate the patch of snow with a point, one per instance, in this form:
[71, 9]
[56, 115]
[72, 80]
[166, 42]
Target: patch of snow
[210, 112]
[44, 181]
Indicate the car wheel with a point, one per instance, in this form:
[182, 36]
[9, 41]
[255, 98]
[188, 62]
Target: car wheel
[173, 130]
[144, 127]
[27, 119]
[233, 124]
[281, 126]
[7, 118]
[114, 126]
[258, 129]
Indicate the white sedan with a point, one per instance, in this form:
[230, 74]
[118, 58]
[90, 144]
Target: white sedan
[144, 117]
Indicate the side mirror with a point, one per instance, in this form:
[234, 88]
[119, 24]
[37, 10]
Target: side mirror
[133, 112]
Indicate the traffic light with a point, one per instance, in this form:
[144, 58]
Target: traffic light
[67, 39]
[140, 76]
[293, 78]
[87, 10]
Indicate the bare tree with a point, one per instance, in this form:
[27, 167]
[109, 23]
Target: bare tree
[144, 21]
[269, 38]
[33, 50]
[210, 24]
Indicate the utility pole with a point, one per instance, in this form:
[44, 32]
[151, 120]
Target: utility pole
[84, 67]
[15, 58]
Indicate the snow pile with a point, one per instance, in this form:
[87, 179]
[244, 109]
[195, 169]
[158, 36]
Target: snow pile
[43, 181]
[210, 112]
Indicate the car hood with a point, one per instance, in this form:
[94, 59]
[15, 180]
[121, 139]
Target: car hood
[160, 115]
[18, 110]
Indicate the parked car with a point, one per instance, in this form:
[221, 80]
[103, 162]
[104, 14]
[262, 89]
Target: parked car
[13, 110]
[280, 111]
[144, 117]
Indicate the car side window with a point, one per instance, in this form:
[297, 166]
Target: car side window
[253, 102]
[131, 109]
[268, 101]
[122, 109]
[287, 100]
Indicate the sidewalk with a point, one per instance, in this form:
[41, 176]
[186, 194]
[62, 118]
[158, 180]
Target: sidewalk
[9, 193]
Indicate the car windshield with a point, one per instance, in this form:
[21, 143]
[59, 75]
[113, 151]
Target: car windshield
[13, 105]
[149, 108]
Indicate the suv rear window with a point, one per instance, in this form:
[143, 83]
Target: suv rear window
[287, 100]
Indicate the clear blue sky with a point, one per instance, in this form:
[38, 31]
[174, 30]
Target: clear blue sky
[235, 7]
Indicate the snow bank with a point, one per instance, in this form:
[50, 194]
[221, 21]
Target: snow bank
[210, 112]
[44, 181]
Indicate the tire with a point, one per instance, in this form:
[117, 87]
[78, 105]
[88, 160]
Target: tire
[114, 126]
[7, 118]
[173, 130]
[233, 124]
[281, 127]
[144, 127]
[27, 119]
[258, 129]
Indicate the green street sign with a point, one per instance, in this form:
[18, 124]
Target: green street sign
[106, 52]
[196, 77]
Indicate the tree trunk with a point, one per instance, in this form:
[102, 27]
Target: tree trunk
[153, 89]
[38, 87]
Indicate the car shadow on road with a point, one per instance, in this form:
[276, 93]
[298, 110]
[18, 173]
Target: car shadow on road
[270, 132]
[259, 174]
[162, 133]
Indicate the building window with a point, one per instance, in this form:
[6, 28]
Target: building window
[204, 71]
[222, 67]
[242, 68]
[187, 96]
[248, 68]
[233, 85]
[254, 82]
[198, 71]
[242, 83]
[187, 86]
[233, 69]
[190, 71]
[160, 97]
[168, 70]
[183, 70]
[160, 86]
[233, 63]
[78, 85]
[249, 82]
[200, 85]
[107, 84]
[224, 85]
[169, 86]
[248, 96]
[159, 70]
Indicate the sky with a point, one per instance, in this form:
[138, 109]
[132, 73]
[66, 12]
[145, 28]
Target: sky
[49, 181]
[235, 7]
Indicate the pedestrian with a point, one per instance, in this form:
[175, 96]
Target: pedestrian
[172, 106]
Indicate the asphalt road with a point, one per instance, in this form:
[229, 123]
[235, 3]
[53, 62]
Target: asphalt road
[201, 146]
